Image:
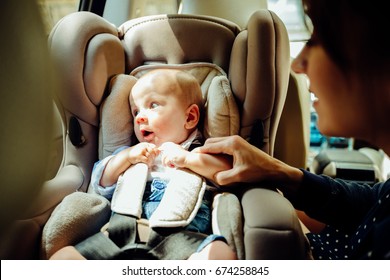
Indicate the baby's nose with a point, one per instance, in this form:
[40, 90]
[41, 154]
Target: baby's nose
[140, 118]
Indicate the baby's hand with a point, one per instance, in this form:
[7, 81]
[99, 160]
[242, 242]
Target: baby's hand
[143, 152]
[173, 155]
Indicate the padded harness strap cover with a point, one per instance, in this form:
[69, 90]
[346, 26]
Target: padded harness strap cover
[127, 198]
[181, 201]
[179, 205]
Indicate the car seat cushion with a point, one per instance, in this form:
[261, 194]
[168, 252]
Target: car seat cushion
[221, 112]
[116, 125]
[220, 108]
[227, 221]
[78, 216]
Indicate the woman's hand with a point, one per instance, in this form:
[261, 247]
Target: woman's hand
[250, 164]
[247, 159]
[206, 165]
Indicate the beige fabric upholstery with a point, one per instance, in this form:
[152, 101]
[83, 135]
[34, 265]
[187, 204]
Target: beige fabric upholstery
[85, 57]
[292, 142]
[66, 227]
[255, 61]
[271, 227]
[116, 125]
[227, 221]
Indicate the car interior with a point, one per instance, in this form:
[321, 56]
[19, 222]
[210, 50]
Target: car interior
[242, 62]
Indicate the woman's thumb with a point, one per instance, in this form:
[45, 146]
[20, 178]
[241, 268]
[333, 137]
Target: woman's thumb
[224, 177]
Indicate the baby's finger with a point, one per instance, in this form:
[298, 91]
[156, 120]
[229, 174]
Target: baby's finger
[167, 161]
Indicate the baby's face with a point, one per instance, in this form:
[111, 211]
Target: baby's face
[159, 115]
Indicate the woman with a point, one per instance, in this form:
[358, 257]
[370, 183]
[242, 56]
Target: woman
[347, 61]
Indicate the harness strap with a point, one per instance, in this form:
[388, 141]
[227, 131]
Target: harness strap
[179, 245]
[123, 242]
[122, 229]
[98, 247]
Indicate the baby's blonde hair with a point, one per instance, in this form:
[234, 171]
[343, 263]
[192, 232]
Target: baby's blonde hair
[190, 88]
[189, 91]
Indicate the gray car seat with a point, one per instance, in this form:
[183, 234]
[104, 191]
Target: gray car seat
[95, 59]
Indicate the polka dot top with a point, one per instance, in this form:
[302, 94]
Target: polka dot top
[333, 243]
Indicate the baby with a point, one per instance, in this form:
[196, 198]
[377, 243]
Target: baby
[165, 105]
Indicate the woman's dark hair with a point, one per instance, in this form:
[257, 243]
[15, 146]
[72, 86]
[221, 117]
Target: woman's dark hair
[355, 33]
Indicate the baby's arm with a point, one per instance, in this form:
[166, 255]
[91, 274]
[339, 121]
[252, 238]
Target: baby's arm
[206, 165]
[142, 152]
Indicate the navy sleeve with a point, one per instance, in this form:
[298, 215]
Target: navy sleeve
[334, 201]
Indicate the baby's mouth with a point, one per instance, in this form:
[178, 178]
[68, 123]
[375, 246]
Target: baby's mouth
[147, 134]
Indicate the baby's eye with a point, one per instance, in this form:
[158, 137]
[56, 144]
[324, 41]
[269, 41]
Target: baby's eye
[154, 105]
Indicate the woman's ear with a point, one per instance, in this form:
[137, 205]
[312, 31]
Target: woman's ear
[193, 116]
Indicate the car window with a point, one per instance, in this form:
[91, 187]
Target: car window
[291, 13]
[118, 12]
[53, 10]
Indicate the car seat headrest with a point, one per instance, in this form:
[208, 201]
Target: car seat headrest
[221, 116]
[177, 39]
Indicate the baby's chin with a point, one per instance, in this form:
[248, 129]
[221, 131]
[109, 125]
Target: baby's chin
[160, 141]
[155, 142]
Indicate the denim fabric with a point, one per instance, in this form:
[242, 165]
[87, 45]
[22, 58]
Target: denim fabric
[202, 221]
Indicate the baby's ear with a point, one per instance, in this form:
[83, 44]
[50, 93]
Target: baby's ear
[193, 116]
